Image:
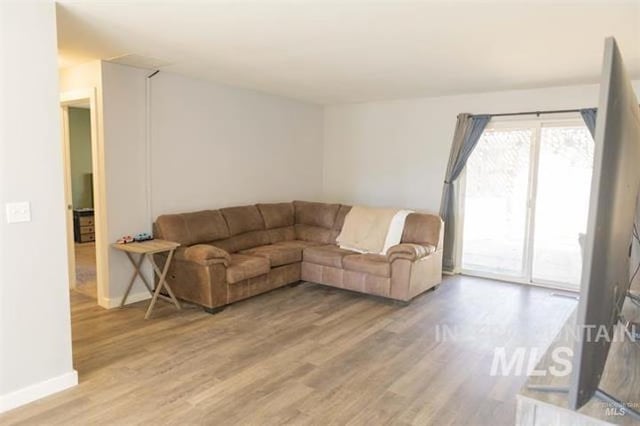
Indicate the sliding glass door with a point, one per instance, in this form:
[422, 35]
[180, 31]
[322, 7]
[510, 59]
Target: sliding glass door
[525, 197]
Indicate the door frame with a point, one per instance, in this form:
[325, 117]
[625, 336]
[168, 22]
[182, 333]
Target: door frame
[536, 124]
[69, 99]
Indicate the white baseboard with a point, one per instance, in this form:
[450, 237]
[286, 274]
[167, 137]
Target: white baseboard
[39, 390]
[111, 303]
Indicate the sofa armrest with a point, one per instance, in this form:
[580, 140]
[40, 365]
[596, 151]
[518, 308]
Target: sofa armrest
[205, 254]
[410, 252]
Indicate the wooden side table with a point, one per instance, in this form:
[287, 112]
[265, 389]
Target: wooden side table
[148, 249]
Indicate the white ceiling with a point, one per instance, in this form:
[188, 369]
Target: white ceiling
[354, 51]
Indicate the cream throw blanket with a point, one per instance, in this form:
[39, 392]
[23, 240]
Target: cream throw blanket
[372, 230]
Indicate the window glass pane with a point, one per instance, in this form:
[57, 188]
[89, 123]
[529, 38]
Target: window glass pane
[495, 204]
[562, 203]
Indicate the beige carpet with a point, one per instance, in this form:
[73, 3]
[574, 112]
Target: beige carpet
[86, 269]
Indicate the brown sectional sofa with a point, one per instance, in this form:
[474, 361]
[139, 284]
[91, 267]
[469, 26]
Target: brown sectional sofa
[234, 253]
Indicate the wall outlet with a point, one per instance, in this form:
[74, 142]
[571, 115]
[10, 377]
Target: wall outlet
[18, 212]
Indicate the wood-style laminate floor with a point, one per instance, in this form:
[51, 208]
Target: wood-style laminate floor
[303, 355]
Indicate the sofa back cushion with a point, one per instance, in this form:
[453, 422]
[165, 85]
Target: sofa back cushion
[322, 215]
[243, 219]
[313, 234]
[192, 228]
[339, 223]
[314, 221]
[279, 220]
[246, 227]
[423, 228]
[277, 215]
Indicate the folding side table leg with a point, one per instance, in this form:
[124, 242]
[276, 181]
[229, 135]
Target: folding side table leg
[136, 272]
[161, 282]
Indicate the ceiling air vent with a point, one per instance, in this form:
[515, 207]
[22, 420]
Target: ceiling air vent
[139, 61]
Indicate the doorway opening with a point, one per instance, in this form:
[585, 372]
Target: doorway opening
[525, 197]
[83, 195]
[84, 235]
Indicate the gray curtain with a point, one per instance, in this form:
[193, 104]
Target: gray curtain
[589, 117]
[469, 128]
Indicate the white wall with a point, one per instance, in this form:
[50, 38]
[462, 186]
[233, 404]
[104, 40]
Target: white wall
[216, 146]
[83, 76]
[395, 153]
[123, 110]
[35, 332]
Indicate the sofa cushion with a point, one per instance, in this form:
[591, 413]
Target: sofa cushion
[277, 215]
[300, 244]
[316, 214]
[286, 233]
[374, 264]
[277, 255]
[328, 255]
[314, 234]
[292, 246]
[339, 223]
[193, 228]
[243, 267]
[243, 241]
[342, 214]
[243, 219]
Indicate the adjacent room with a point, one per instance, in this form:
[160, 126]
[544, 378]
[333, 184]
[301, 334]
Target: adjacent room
[320, 212]
[80, 169]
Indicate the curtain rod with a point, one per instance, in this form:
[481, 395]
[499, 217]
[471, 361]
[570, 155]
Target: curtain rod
[537, 113]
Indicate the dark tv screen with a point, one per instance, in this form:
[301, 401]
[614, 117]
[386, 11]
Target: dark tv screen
[615, 184]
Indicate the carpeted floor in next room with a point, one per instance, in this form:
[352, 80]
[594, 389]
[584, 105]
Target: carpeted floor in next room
[303, 355]
[86, 269]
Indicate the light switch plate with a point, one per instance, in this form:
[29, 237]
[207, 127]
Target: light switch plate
[18, 212]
